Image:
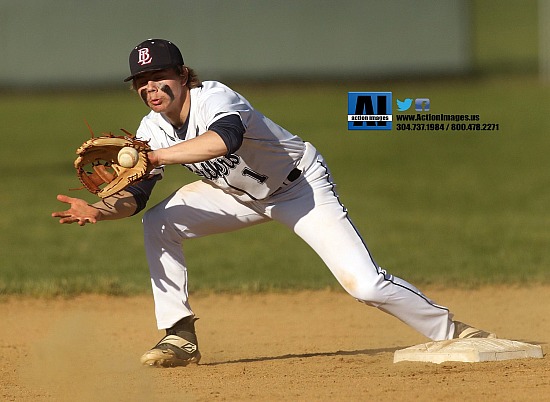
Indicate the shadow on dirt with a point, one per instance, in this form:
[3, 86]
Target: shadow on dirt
[367, 352]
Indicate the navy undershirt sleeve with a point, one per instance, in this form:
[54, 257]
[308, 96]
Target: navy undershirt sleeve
[231, 129]
[142, 191]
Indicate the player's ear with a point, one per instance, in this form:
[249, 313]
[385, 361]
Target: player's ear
[184, 73]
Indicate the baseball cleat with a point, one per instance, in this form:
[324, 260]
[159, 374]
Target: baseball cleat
[172, 351]
[465, 331]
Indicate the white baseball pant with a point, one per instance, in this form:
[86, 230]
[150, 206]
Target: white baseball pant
[311, 208]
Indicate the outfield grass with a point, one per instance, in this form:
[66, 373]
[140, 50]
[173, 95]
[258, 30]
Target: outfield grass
[440, 208]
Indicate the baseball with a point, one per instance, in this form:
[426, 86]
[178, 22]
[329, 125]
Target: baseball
[128, 157]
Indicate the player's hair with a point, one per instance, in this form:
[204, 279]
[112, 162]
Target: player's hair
[193, 80]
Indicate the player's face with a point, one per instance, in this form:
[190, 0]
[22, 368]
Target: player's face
[162, 90]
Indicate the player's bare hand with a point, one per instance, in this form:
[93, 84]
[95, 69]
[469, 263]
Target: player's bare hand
[154, 159]
[79, 212]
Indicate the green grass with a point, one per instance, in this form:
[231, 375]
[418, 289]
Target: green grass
[439, 208]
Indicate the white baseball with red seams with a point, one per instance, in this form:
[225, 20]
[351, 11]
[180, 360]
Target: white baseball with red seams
[128, 157]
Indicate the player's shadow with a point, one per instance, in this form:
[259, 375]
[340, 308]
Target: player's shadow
[366, 352]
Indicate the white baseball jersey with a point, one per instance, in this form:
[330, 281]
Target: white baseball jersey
[258, 168]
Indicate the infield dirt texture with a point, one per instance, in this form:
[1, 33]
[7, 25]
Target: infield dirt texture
[305, 346]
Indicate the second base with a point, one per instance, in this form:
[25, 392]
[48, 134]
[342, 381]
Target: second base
[468, 350]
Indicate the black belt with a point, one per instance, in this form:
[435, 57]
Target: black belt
[294, 174]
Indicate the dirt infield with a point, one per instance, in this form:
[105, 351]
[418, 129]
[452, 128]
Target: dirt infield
[298, 347]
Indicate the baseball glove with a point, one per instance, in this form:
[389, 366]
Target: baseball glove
[97, 164]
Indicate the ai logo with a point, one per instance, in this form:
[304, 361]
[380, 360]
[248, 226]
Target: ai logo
[369, 111]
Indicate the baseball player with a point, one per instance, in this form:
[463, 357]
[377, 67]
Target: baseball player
[251, 171]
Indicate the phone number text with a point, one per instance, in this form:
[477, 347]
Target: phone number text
[447, 127]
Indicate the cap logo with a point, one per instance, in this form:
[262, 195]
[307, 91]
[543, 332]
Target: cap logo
[144, 57]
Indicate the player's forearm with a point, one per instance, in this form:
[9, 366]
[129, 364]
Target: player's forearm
[204, 147]
[117, 206]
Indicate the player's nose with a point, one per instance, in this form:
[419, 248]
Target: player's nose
[151, 86]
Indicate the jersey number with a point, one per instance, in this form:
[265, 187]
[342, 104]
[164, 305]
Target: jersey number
[260, 178]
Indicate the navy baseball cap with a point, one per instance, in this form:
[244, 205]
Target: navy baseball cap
[153, 54]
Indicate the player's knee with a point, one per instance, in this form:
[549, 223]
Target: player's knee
[365, 292]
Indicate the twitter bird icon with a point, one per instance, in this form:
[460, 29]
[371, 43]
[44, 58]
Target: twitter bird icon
[404, 104]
